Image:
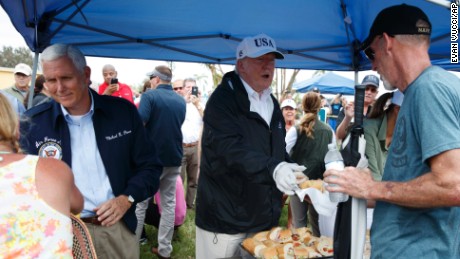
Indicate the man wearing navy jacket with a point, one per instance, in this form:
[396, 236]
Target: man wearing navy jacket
[103, 140]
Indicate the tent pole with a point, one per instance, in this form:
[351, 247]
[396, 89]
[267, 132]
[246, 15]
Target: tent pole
[35, 63]
[356, 77]
[32, 82]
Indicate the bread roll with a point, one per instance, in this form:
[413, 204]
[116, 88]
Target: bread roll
[306, 238]
[317, 184]
[301, 252]
[275, 234]
[261, 236]
[250, 244]
[285, 236]
[312, 253]
[285, 251]
[269, 243]
[312, 242]
[258, 250]
[270, 253]
[325, 246]
[303, 231]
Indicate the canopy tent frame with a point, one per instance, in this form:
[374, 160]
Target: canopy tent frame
[334, 48]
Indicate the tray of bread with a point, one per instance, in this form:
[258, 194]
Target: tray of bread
[286, 243]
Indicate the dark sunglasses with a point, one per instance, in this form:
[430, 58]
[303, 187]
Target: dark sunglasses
[152, 77]
[177, 88]
[370, 53]
[372, 89]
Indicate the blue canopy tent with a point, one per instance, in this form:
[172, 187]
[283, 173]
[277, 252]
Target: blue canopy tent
[328, 83]
[314, 34]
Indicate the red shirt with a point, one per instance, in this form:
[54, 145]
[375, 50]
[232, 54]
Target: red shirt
[124, 91]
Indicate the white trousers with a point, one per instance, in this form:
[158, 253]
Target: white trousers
[211, 245]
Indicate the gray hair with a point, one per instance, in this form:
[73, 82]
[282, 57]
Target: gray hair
[189, 80]
[56, 51]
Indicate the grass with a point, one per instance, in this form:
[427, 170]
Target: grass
[184, 237]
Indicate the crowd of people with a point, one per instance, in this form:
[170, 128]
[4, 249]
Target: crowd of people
[103, 155]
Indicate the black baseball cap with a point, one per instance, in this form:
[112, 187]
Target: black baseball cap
[398, 19]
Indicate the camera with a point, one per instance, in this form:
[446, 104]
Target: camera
[195, 90]
[114, 81]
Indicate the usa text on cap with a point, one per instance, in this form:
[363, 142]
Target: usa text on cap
[257, 46]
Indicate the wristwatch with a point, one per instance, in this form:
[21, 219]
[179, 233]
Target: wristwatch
[130, 199]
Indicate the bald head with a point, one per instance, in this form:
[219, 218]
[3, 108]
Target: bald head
[108, 72]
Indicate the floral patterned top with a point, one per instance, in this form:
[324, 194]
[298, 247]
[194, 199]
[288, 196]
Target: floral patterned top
[29, 227]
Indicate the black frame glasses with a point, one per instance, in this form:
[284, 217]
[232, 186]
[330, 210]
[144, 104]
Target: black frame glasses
[370, 53]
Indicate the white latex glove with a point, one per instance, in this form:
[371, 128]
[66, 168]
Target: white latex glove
[285, 178]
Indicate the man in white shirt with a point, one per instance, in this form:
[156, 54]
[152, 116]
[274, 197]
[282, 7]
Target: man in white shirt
[191, 133]
[244, 166]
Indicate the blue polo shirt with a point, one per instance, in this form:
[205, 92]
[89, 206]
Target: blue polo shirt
[163, 112]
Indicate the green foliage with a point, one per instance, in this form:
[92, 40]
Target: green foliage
[10, 57]
[184, 237]
[183, 240]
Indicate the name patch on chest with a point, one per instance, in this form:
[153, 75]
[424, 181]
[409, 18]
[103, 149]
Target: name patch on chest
[118, 135]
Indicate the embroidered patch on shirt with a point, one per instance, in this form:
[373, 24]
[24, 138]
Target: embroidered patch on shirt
[50, 149]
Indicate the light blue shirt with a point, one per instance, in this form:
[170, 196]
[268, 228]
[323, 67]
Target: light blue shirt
[428, 124]
[87, 166]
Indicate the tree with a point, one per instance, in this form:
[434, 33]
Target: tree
[217, 73]
[10, 57]
[282, 83]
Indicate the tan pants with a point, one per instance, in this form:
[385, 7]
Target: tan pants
[189, 172]
[114, 242]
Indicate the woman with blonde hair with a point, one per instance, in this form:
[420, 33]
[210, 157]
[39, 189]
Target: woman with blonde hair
[37, 196]
[307, 145]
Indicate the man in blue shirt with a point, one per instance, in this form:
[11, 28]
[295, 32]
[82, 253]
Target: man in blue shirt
[104, 142]
[163, 112]
[417, 214]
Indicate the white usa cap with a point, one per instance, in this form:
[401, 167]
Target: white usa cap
[257, 46]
